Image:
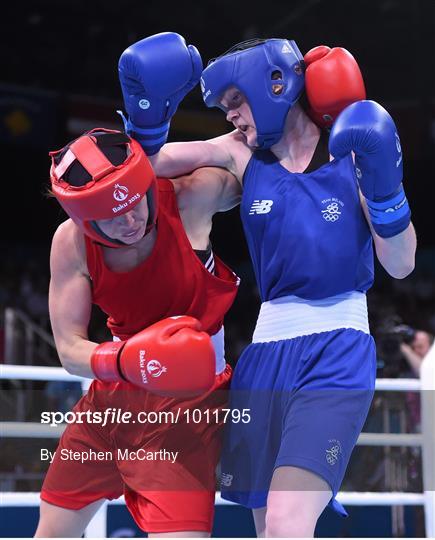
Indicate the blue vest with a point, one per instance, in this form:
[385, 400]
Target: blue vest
[306, 232]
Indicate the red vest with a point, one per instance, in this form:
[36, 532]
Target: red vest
[171, 281]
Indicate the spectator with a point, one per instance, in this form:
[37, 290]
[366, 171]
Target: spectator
[415, 351]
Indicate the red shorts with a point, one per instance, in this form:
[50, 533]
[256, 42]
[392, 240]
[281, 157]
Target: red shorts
[165, 468]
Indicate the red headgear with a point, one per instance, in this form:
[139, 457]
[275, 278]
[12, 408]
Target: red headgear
[112, 190]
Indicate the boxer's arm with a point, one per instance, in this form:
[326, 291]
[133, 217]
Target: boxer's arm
[228, 151]
[70, 303]
[178, 158]
[211, 190]
[202, 194]
[413, 359]
[229, 191]
[366, 130]
[397, 253]
[185, 353]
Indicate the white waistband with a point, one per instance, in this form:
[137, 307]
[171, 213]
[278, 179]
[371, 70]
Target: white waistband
[219, 348]
[290, 316]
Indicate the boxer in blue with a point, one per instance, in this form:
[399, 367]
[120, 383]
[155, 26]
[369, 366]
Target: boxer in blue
[313, 206]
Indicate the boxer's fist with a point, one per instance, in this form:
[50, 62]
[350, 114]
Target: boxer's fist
[155, 75]
[368, 130]
[333, 81]
[172, 358]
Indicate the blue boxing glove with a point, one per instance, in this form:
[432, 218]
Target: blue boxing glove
[155, 75]
[368, 130]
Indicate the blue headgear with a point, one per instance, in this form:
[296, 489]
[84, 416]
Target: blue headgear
[270, 73]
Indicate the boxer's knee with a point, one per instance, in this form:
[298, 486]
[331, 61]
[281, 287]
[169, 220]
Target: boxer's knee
[289, 518]
[58, 522]
[295, 502]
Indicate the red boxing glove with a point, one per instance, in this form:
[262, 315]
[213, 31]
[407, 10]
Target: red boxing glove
[171, 358]
[333, 81]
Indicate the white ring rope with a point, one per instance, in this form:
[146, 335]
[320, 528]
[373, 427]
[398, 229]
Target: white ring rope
[30, 430]
[398, 385]
[349, 498]
[42, 373]
[37, 373]
[97, 528]
[426, 440]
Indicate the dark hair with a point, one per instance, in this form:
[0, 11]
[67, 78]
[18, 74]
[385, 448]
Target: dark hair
[242, 46]
[113, 146]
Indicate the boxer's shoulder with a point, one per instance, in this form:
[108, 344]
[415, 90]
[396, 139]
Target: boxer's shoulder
[239, 153]
[68, 247]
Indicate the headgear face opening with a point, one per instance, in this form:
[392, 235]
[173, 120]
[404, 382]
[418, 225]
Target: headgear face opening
[270, 73]
[105, 189]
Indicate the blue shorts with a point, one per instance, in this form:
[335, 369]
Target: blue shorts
[306, 399]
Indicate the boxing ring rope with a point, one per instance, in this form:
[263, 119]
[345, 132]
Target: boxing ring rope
[43, 373]
[31, 430]
[97, 527]
[426, 440]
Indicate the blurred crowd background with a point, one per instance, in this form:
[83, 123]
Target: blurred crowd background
[58, 78]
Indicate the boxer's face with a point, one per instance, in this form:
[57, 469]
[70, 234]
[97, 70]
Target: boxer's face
[239, 114]
[129, 227]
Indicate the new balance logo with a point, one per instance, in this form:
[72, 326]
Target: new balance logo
[226, 479]
[261, 207]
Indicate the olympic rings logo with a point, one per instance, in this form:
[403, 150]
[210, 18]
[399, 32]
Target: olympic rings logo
[332, 454]
[332, 213]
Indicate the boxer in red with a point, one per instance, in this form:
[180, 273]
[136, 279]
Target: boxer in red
[138, 247]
